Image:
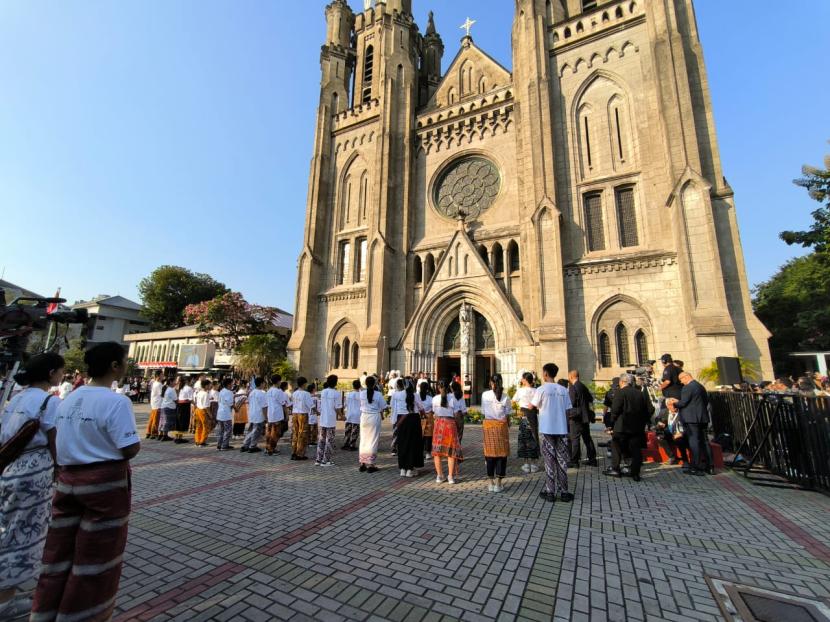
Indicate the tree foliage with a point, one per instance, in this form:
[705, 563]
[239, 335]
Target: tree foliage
[227, 319]
[262, 355]
[74, 356]
[795, 306]
[817, 237]
[170, 289]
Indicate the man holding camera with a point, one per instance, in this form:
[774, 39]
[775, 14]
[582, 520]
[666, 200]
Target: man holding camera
[631, 413]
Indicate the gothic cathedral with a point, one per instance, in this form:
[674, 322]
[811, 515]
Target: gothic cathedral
[478, 220]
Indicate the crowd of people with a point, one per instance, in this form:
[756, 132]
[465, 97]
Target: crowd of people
[82, 435]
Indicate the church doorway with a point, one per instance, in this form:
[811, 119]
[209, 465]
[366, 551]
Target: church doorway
[484, 369]
[449, 367]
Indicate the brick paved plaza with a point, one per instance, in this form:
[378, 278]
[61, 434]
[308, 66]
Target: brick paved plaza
[230, 536]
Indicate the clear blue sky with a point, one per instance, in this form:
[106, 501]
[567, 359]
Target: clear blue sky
[135, 133]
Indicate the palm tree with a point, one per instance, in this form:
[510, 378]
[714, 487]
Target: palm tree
[749, 370]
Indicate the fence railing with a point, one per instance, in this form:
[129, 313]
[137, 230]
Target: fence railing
[789, 435]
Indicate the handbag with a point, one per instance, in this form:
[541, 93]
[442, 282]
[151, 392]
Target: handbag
[13, 448]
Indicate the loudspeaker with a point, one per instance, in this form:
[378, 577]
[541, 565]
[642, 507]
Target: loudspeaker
[729, 369]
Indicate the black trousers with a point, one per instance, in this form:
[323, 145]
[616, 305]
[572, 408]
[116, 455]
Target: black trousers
[630, 444]
[496, 467]
[580, 430]
[698, 444]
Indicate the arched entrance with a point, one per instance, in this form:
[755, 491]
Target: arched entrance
[468, 352]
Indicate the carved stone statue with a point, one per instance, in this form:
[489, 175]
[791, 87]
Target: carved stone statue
[465, 319]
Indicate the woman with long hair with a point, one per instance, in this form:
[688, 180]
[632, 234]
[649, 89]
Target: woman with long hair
[410, 437]
[445, 442]
[495, 404]
[372, 406]
[529, 424]
[26, 483]
[459, 408]
[427, 417]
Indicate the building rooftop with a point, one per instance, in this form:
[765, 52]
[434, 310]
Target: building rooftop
[15, 291]
[110, 301]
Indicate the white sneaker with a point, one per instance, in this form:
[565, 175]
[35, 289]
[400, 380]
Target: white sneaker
[534, 468]
[451, 480]
[439, 480]
[526, 468]
[327, 464]
[403, 472]
[316, 463]
[491, 488]
[497, 488]
[410, 473]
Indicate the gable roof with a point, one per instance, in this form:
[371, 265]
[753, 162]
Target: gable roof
[484, 64]
[110, 301]
[15, 291]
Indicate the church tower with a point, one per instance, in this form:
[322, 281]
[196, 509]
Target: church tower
[471, 220]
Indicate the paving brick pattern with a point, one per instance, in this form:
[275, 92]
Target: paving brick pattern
[231, 536]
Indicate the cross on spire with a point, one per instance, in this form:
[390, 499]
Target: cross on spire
[468, 25]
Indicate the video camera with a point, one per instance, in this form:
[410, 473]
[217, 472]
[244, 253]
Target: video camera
[25, 315]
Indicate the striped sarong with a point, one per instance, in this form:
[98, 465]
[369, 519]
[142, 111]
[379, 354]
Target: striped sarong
[445, 443]
[85, 545]
[496, 439]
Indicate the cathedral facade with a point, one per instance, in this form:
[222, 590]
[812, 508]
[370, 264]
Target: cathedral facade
[476, 220]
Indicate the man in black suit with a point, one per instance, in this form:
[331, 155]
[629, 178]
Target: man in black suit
[580, 418]
[631, 412]
[693, 409]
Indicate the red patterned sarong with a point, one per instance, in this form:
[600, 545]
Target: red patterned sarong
[445, 443]
[84, 548]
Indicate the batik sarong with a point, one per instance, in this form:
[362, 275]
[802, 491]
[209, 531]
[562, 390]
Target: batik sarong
[556, 450]
[459, 425]
[299, 434]
[273, 432]
[325, 445]
[25, 500]
[168, 421]
[445, 442]
[410, 442]
[352, 436]
[369, 437]
[496, 439]
[85, 545]
[528, 438]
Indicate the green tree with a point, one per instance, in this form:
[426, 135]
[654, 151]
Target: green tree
[261, 355]
[170, 289]
[817, 237]
[74, 356]
[227, 319]
[795, 306]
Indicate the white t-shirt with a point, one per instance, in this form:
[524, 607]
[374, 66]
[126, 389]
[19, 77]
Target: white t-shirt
[458, 405]
[214, 396]
[397, 405]
[524, 397]
[553, 403]
[186, 393]
[256, 405]
[203, 400]
[168, 401]
[24, 406]
[93, 425]
[442, 411]
[377, 406]
[426, 403]
[315, 410]
[225, 412]
[494, 408]
[155, 395]
[302, 402]
[353, 407]
[64, 389]
[276, 399]
[331, 400]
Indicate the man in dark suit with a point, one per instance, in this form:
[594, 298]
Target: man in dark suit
[580, 418]
[631, 412]
[693, 409]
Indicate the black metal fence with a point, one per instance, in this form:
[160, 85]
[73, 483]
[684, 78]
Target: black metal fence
[789, 435]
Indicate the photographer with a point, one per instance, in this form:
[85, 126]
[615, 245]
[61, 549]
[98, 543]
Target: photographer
[26, 483]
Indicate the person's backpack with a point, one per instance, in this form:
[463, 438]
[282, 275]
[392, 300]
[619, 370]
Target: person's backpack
[11, 449]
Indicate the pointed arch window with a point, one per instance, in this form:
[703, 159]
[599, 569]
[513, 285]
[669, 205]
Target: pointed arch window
[641, 343]
[355, 355]
[419, 271]
[604, 350]
[335, 359]
[594, 227]
[344, 254]
[360, 266]
[498, 258]
[513, 257]
[452, 338]
[364, 197]
[347, 349]
[368, 72]
[429, 268]
[623, 350]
